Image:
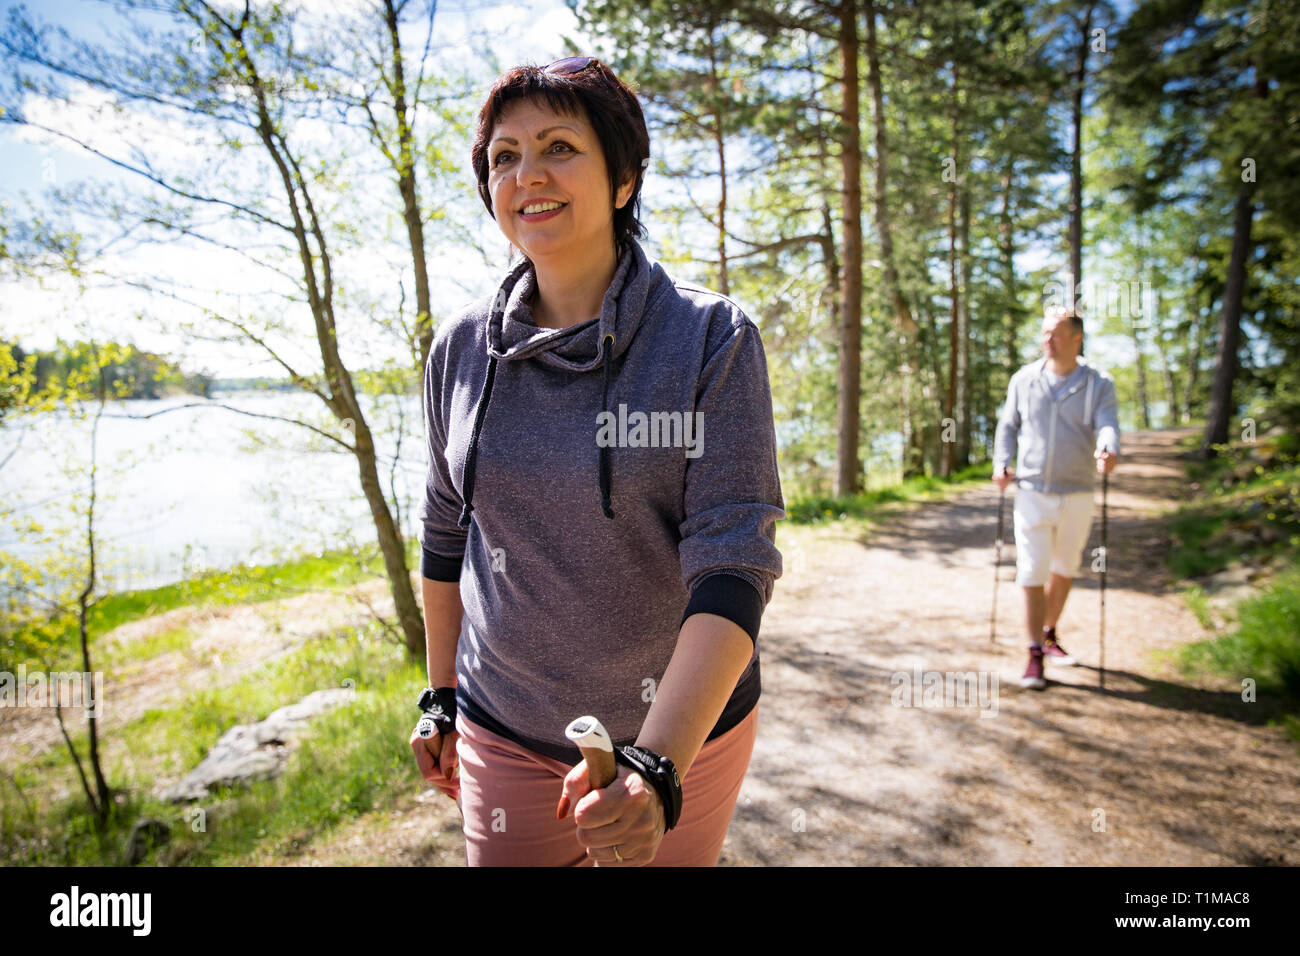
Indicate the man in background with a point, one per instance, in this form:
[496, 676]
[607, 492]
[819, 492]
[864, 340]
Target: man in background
[1060, 424]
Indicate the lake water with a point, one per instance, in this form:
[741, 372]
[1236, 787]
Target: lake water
[197, 489]
[192, 489]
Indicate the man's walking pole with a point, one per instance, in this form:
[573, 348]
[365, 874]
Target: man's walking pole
[1105, 557]
[997, 563]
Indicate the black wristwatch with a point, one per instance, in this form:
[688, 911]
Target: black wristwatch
[660, 773]
[440, 705]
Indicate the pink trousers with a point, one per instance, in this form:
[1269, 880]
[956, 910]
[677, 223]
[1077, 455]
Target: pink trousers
[508, 796]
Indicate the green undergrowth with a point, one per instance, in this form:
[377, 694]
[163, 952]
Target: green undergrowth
[352, 760]
[870, 504]
[56, 644]
[1242, 504]
[1243, 510]
[1261, 646]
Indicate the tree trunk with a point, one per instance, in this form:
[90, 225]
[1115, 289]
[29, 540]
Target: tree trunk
[963, 328]
[950, 393]
[1225, 367]
[1174, 416]
[1141, 367]
[391, 545]
[848, 478]
[406, 186]
[720, 145]
[102, 803]
[831, 259]
[1222, 407]
[986, 397]
[1076, 158]
[341, 398]
[893, 289]
[1007, 250]
[926, 456]
[1193, 359]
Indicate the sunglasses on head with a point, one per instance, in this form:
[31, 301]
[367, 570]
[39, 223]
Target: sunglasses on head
[576, 64]
[570, 64]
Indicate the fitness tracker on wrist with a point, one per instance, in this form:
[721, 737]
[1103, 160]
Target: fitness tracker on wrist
[439, 705]
[660, 773]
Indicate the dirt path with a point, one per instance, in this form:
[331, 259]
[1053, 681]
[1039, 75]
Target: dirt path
[1177, 774]
[1181, 774]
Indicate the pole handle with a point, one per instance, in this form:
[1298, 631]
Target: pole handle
[600, 767]
[596, 748]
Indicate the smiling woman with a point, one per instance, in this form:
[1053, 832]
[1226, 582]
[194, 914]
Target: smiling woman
[549, 148]
[549, 184]
[543, 601]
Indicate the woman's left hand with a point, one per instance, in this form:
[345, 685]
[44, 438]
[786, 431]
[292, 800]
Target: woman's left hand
[627, 814]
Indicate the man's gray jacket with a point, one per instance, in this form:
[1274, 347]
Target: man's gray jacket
[1053, 440]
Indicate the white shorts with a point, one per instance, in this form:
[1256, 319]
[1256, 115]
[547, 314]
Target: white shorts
[1051, 533]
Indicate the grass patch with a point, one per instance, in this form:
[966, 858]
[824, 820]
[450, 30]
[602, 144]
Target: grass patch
[351, 759]
[191, 726]
[356, 760]
[1264, 646]
[1255, 515]
[120, 653]
[1198, 602]
[869, 504]
[242, 584]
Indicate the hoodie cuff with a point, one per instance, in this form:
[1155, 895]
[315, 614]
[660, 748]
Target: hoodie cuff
[437, 568]
[730, 596]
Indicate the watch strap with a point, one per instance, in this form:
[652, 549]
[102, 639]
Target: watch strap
[660, 773]
[440, 705]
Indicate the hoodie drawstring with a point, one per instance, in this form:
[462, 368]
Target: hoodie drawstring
[471, 460]
[605, 503]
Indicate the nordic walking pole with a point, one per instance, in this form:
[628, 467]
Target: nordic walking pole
[1105, 557]
[598, 750]
[997, 563]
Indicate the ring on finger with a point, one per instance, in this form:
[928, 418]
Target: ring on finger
[617, 856]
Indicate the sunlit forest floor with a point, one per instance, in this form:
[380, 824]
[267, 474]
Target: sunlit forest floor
[1157, 768]
[1182, 772]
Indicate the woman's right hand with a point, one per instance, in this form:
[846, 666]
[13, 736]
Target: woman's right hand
[438, 761]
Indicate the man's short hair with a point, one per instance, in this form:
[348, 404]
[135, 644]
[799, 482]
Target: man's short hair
[1058, 312]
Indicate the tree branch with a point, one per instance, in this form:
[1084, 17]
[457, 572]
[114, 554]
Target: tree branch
[241, 411]
[151, 177]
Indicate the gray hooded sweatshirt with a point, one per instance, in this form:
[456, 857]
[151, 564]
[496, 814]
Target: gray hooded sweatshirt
[591, 487]
[1052, 430]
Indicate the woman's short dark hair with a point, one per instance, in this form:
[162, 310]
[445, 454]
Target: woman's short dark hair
[610, 107]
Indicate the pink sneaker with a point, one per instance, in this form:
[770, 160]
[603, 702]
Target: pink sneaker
[1033, 679]
[1054, 652]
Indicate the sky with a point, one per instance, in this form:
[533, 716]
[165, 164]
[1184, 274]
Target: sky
[38, 314]
[30, 160]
